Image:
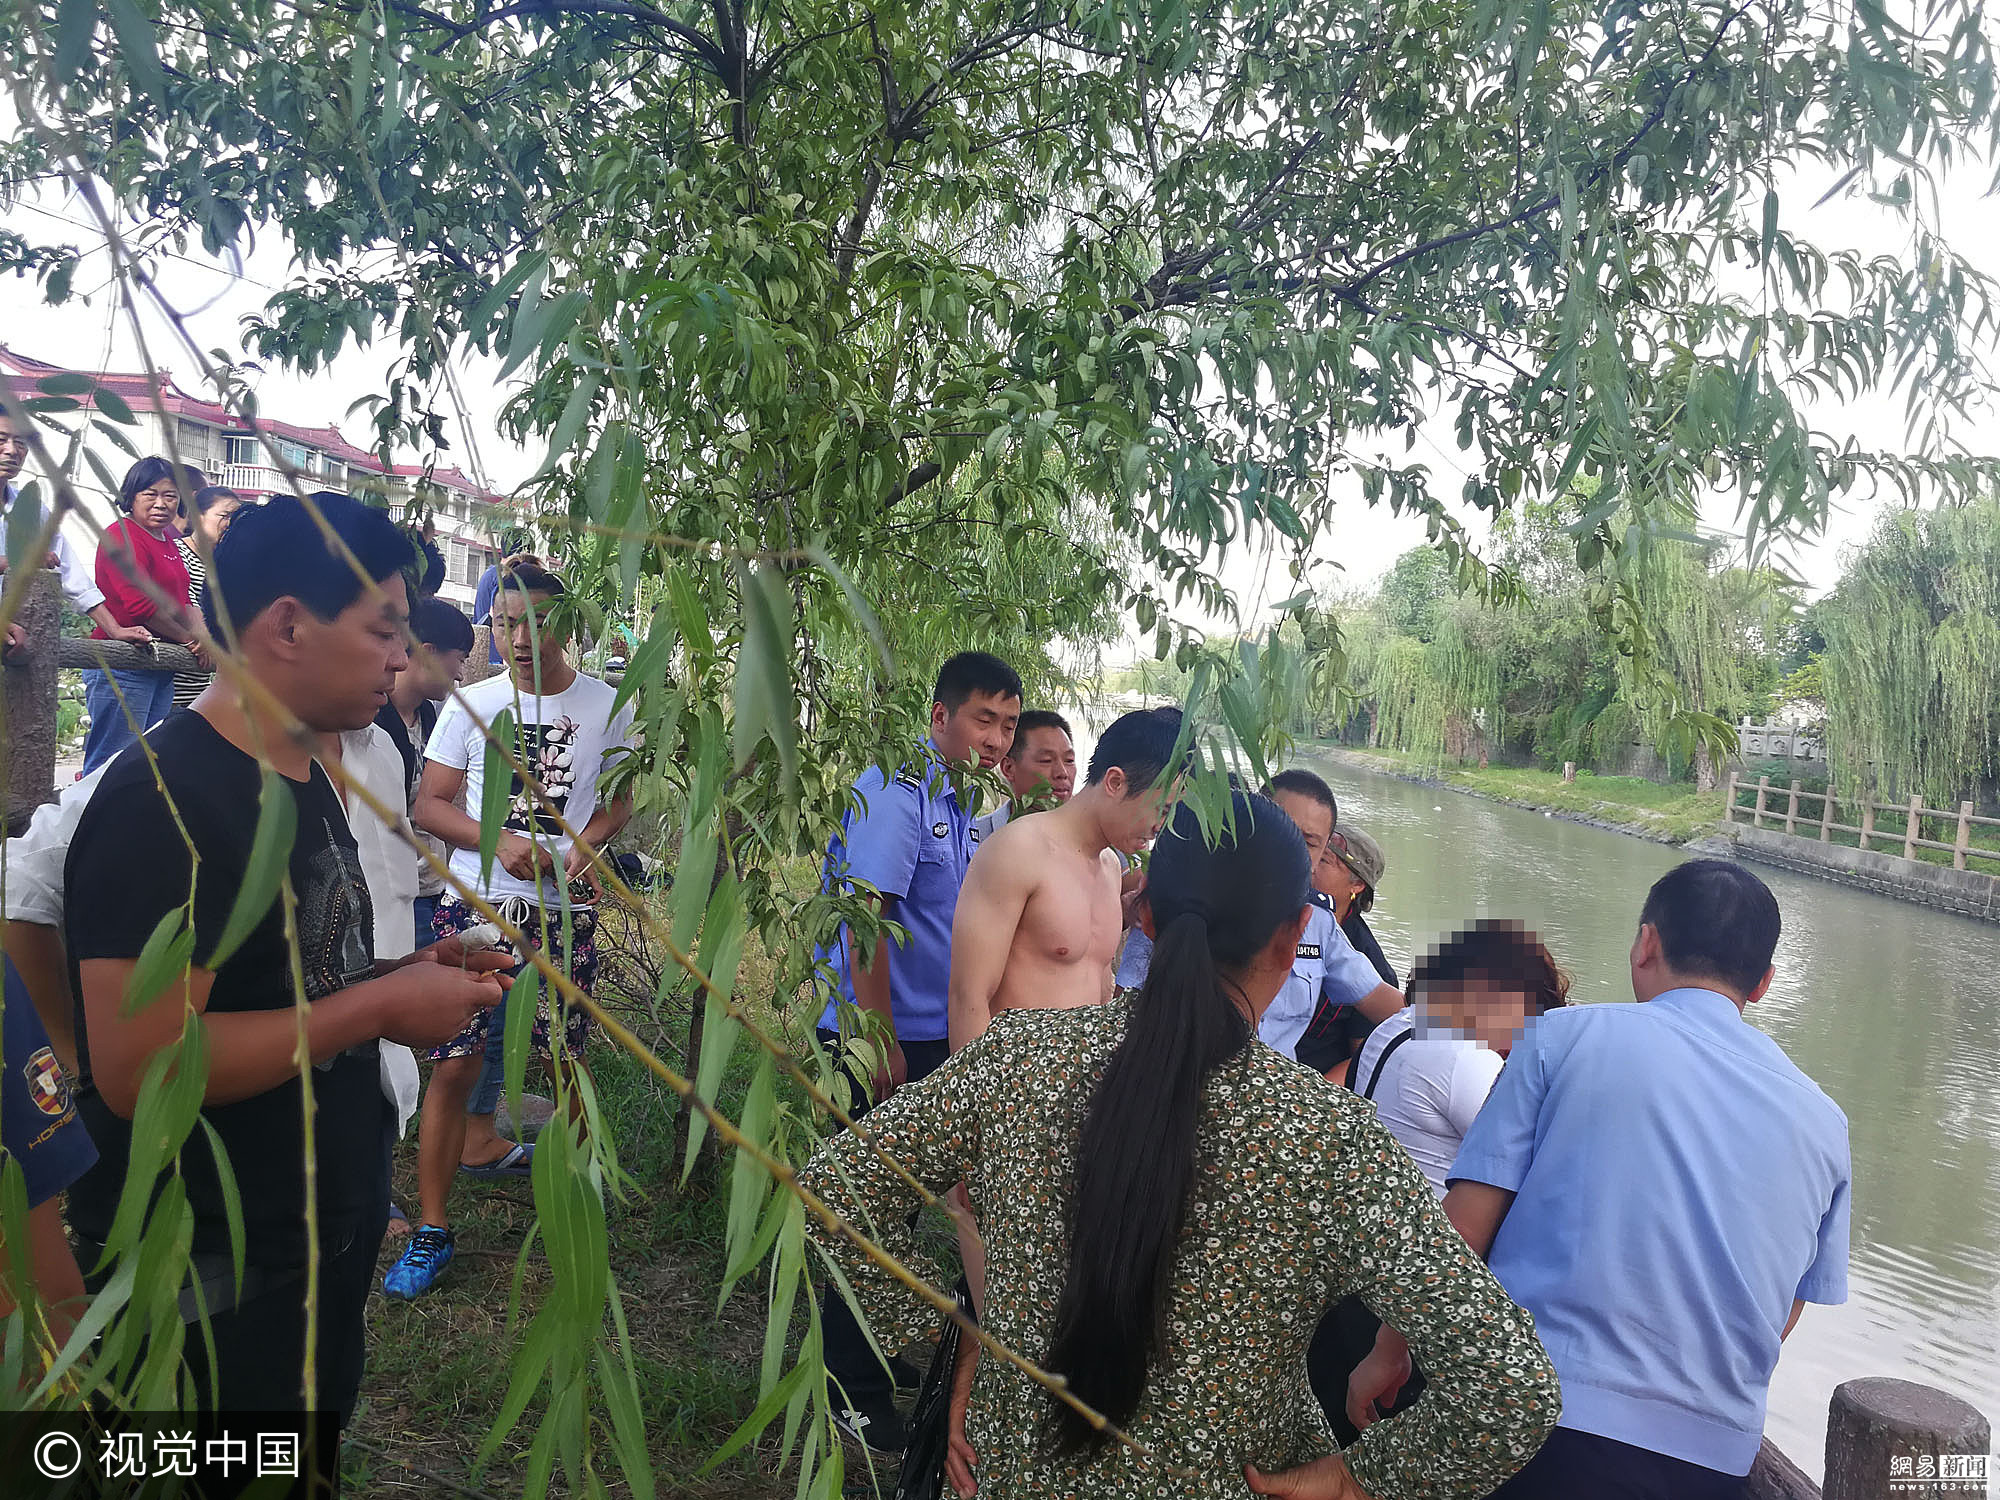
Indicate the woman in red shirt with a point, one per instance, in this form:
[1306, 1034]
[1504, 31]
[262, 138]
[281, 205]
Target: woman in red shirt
[139, 548]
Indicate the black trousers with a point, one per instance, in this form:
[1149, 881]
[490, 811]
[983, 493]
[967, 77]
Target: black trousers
[260, 1344]
[1345, 1337]
[849, 1360]
[1573, 1465]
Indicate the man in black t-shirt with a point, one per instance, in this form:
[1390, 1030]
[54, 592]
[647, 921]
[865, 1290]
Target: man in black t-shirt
[327, 646]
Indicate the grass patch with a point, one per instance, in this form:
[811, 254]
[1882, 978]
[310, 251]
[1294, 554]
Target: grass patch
[438, 1368]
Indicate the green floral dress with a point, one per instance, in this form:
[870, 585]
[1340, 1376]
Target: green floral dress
[1301, 1198]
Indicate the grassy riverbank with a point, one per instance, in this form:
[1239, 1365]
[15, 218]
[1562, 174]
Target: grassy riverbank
[438, 1368]
[1671, 814]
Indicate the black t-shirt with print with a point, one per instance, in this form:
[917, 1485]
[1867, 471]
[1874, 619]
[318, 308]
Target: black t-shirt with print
[128, 866]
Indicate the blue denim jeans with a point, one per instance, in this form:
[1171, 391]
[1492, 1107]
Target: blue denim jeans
[149, 696]
[493, 1076]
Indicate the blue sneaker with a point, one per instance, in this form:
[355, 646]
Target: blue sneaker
[423, 1260]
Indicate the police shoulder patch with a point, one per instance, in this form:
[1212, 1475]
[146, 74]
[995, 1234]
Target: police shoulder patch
[1320, 899]
[911, 776]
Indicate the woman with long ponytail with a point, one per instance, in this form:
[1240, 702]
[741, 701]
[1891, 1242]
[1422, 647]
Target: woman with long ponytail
[1168, 1206]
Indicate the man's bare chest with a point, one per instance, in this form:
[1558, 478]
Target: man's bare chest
[1073, 916]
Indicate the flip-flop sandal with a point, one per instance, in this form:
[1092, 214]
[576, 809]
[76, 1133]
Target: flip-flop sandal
[516, 1163]
[396, 1218]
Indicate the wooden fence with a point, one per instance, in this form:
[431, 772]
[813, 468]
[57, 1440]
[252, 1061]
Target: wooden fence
[1789, 813]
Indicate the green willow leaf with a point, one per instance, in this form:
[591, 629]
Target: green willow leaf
[24, 524]
[162, 961]
[722, 934]
[764, 704]
[497, 790]
[628, 1423]
[753, 1425]
[270, 855]
[523, 1003]
[112, 405]
[140, 44]
[749, 1181]
[232, 1201]
[76, 21]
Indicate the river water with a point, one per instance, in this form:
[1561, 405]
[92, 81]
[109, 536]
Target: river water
[1894, 1010]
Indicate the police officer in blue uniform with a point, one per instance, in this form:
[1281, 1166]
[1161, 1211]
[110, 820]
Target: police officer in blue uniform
[1327, 964]
[904, 844]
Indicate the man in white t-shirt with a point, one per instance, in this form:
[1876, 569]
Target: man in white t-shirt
[31, 880]
[565, 732]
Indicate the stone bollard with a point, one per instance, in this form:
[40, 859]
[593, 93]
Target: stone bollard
[1883, 1433]
[28, 733]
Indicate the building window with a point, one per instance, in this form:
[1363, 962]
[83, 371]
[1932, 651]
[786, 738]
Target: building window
[195, 443]
[464, 562]
[242, 449]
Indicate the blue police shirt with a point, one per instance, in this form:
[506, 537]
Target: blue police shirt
[906, 836]
[483, 595]
[39, 1127]
[1326, 964]
[1677, 1181]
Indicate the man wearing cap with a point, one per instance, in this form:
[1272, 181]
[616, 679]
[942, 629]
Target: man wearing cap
[1345, 876]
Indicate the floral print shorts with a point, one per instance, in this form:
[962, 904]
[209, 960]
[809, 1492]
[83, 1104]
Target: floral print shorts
[580, 963]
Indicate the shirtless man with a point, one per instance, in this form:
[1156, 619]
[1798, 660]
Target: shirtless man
[1039, 917]
[1039, 921]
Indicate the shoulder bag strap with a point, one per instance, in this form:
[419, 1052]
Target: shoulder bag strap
[1375, 1073]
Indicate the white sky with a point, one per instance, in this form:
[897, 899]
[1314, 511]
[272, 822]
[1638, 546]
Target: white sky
[214, 298]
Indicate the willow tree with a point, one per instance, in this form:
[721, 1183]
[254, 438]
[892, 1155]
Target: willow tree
[1705, 646]
[1912, 656]
[1433, 697]
[777, 276]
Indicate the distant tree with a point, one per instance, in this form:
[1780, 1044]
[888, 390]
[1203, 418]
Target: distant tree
[1912, 656]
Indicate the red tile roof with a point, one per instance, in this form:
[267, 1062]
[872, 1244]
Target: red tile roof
[141, 394]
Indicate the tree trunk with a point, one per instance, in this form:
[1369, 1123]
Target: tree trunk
[1704, 768]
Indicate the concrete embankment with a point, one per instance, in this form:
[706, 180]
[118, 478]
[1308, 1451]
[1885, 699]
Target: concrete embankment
[1968, 893]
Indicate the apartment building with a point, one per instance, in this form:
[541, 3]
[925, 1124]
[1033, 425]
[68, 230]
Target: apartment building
[467, 518]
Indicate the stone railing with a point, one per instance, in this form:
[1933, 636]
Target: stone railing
[1771, 740]
[1886, 1438]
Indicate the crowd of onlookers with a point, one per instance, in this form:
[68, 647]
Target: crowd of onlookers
[353, 718]
[1289, 1224]
[1472, 1242]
